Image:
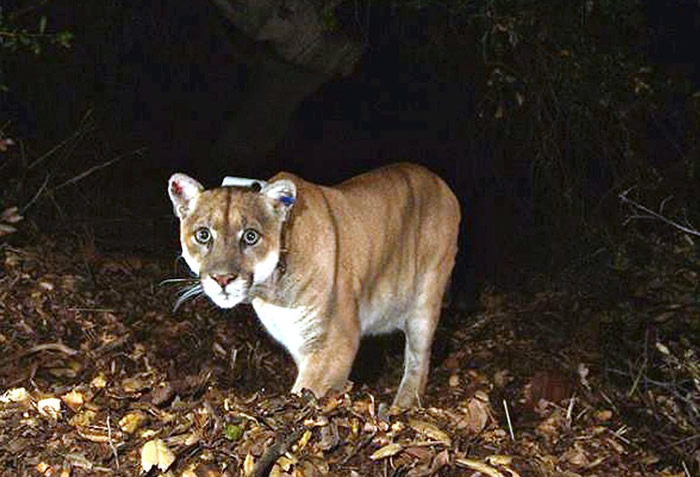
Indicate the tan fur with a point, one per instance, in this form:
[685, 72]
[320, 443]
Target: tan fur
[371, 255]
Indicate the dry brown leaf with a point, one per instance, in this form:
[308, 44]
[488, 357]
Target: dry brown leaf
[499, 459]
[477, 413]
[131, 422]
[248, 465]
[99, 381]
[440, 461]
[478, 466]
[45, 469]
[156, 453]
[14, 395]
[74, 400]
[552, 385]
[420, 453]
[189, 471]
[452, 362]
[305, 438]
[501, 378]
[49, 407]
[453, 381]
[11, 215]
[502, 461]
[83, 418]
[551, 426]
[276, 471]
[430, 430]
[6, 229]
[619, 448]
[134, 384]
[285, 462]
[575, 456]
[388, 450]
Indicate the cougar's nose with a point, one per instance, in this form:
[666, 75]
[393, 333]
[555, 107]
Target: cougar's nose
[225, 279]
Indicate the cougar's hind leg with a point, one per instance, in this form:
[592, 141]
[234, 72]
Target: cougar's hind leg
[419, 330]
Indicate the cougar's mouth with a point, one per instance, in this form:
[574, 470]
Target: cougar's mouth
[226, 293]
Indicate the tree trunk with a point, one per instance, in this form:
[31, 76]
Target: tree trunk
[301, 55]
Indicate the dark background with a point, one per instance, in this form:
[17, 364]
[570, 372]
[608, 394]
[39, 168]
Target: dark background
[174, 77]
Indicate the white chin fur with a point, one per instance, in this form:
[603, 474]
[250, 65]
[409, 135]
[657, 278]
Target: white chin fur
[232, 295]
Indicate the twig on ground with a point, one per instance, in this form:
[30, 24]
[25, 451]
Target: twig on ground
[642, 368]
[279, 448]
[111, 442]
[570, 409]
[510, 424]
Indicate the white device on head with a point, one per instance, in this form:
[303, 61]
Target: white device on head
[230, 181]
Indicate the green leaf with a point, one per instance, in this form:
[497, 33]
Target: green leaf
[233, 432]
[42, 24]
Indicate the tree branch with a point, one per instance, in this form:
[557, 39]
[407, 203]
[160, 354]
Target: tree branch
[641, 212]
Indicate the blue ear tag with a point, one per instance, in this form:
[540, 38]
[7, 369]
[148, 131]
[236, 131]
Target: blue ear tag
[287, 200]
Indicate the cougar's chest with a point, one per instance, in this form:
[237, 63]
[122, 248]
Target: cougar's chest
[296, 328]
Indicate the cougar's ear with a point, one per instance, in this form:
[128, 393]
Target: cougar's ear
[283, 193]
[182, 189]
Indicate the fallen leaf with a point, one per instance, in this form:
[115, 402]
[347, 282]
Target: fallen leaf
[430, 430]
[83, 418]
[131, 422]
[453, 381]
[11, 215]
[74, 400]
[477, 413]
[552, 385]
[14, 395]
[498, 459]
[233, 432]
[388, 450]
[44, 469]
[305, 438]
[156, 453]
[248, 465]
[49, 407]
[478, 466]
[99, 381]
[575, 456]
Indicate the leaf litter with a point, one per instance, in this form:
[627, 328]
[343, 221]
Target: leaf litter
[98, 377]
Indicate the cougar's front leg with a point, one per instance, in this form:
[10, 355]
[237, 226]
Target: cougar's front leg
[327, 366]
[324, 370]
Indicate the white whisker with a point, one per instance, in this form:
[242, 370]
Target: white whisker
[168, 281]
[187, 293]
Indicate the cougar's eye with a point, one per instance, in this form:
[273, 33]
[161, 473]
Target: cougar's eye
[250, 237]
[202, 235]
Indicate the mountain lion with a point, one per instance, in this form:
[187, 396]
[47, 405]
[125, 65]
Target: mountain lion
[323, 266]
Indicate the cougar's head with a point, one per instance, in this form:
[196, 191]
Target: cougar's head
[231, 236]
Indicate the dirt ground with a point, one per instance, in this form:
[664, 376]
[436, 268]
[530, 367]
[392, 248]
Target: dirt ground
[99, 376]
